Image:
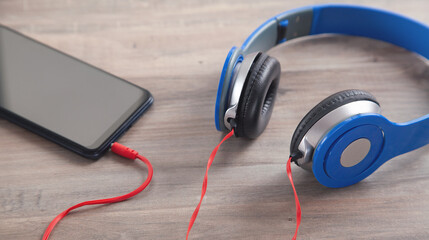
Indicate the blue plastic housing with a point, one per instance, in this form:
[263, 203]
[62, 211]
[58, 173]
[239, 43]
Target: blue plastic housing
[388, 140]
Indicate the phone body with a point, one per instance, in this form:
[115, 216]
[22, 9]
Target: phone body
[63, 99]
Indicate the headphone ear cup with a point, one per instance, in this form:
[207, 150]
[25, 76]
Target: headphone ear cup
[258, 96]
[323, 108]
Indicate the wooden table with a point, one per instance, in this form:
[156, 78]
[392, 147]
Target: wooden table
[176, 49]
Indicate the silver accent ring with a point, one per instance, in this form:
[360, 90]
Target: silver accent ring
[326, 123]
[238, 84]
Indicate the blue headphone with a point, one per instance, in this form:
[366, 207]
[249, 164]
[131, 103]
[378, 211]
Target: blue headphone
[344, 138]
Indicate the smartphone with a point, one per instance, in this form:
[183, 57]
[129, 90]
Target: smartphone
[63, 99]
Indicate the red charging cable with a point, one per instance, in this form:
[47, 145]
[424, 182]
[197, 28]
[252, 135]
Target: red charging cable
[124, 152]
[204, 189]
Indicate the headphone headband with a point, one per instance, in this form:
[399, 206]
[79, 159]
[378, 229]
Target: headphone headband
[312, 20]
[341, 19]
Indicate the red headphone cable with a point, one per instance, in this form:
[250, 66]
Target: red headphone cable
[204, 188]
[124, 152]
[298, 206]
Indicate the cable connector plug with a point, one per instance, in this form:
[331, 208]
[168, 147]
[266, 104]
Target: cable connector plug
[124, 151]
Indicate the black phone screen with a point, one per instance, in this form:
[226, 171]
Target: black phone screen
[62, 94]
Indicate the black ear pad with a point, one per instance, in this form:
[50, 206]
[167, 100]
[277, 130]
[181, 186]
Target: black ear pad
[257, 97]
[320, 110]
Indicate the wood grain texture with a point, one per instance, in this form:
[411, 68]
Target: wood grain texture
[176, 50]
